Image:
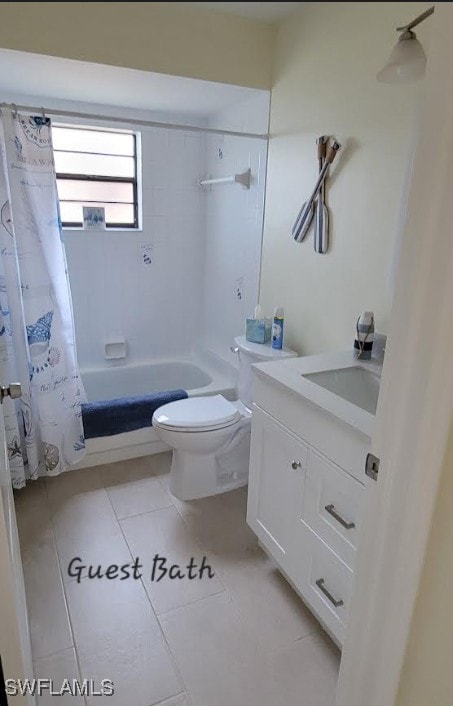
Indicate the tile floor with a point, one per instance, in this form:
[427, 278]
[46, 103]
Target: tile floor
[242, 638]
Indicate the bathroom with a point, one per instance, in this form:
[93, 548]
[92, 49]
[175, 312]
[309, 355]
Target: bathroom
[143, 574]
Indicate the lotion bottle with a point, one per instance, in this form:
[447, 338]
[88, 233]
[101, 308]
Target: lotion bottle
[277, 328]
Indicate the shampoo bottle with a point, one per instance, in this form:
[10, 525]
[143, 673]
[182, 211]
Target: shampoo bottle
[277, 328]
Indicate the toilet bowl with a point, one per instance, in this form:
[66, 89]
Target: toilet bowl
[210, 436]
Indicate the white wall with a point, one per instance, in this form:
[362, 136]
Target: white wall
[426, 677]
[248, 114]
[326, 60]
[234, 221]
[156, 307]
[166, 37]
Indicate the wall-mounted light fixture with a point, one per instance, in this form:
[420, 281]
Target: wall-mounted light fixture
[407, 60]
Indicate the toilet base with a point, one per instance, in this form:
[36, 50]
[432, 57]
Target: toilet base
[195, 475]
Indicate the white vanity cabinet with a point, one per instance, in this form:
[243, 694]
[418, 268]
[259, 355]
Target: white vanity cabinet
[305, 497]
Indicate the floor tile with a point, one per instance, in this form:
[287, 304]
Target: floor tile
[85, 526]
[217, 661]
[272, 610]
[163, 532]
[266, 601]
[218, 523]
[72, 483]
[180, 700]
[242, 637]
[137, 497]
[134, 469]
[306, 673]
[33, 494]
[32, 513]
[228, 667]
[47, 613]
[58, 667]
[118, 637]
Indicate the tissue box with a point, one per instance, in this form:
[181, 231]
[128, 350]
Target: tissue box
[258, 330]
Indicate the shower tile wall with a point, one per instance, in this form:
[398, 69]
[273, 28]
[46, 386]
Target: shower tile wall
[117, 293]
[234, 219]
[204, 246]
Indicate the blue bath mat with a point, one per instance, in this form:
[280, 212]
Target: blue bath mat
[111, 417]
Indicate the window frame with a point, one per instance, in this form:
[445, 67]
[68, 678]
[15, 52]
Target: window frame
[105, 179]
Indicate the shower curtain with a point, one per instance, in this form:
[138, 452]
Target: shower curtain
[37, 345]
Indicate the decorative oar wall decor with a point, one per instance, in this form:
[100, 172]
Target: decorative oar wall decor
[322, 214]
[316, 202]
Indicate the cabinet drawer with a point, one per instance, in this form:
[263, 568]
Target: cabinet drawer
[327, 585]
[331, 506]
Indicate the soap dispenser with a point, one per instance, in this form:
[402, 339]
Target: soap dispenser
[364, 336]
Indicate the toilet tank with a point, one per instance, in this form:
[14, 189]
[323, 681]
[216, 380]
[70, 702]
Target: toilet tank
[250, 353]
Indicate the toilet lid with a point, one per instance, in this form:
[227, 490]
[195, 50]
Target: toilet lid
[196, 414]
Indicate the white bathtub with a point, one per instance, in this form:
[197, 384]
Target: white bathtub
[198, 377]
[123, 381]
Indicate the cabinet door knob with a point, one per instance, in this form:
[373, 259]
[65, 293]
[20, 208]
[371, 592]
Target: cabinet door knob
[295, 465]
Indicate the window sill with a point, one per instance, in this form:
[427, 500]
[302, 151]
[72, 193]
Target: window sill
[70, 229]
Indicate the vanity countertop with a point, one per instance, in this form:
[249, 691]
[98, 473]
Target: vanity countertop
[290, 373]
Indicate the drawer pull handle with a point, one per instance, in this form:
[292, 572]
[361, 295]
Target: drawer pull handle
[331, 510]
[320, 585]
[295, 465]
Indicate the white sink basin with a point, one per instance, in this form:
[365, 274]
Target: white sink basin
[354, 384]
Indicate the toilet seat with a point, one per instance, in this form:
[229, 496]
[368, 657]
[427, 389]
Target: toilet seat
[197, 414]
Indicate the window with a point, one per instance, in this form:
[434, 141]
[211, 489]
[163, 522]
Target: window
[96, 168]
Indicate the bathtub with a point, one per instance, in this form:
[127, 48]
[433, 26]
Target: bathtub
[145, 379]
[203, 376]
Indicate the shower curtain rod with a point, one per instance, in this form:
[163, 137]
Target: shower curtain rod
[130, 121]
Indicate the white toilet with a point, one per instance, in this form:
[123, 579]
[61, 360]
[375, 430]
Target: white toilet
[210, 436]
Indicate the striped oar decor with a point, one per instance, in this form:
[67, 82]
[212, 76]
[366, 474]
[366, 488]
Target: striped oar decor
[321, 239]
[305, 217]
